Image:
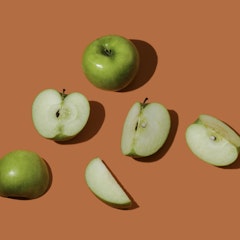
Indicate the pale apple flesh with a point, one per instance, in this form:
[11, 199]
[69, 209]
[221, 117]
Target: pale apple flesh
[145, 129]
[104, 185]
[59, 116]
[213, 141]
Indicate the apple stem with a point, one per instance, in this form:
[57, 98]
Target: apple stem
[145, 100]
[63, 93]
[107, 52]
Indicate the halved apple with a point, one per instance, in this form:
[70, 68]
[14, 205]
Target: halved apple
[213, 141]
[60, 116]
[104, 185]
[145, 129]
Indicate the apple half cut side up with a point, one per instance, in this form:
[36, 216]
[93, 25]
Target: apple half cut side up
[105, 186]
[213, 141]
[59, 116]
[145, 129]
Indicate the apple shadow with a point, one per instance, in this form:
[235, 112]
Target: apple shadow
[95, 121]
[234, 165]
[47, 189]
[147, 66]
[164, 149]
[134, 204]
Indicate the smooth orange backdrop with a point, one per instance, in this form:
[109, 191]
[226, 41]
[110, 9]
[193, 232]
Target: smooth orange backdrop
[189, 62]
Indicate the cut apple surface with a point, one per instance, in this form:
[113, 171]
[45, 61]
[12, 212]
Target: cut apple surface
[60, 116]
[213, 141]
[145, 129]
[104, 185]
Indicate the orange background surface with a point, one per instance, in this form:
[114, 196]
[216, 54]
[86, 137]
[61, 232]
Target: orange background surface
[189, 62]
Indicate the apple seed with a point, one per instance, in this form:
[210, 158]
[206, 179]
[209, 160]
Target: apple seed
[58, 113]
[213, 138]
[143, 124]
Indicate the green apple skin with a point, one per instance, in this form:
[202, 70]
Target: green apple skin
[24, 175]
[110, 62]
[213, 141]
[146, 129]
[104, 186]
[59, 116]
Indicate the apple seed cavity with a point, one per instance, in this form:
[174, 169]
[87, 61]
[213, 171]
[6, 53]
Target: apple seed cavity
[63, 95]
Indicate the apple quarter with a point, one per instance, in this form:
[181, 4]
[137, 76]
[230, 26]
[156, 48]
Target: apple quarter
[213, 141]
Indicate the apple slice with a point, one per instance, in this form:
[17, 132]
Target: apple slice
[104, 185]
[145, 129]
[213, 141]
[59, 116]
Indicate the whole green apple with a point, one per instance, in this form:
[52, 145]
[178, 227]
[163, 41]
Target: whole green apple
[23, 175]
[110, 62]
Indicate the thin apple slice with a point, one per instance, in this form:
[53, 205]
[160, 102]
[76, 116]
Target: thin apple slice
[104, 185]
[213, 141]
[145, 129]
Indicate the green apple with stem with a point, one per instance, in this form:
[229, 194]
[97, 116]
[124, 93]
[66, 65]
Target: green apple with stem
[213, 141]
[23, 175]
[60, 116]
[145, 129]
[104, 185]
[110, 62]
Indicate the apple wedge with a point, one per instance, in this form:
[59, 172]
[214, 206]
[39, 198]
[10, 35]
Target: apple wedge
[104, 185]
[213, 141]
[59, 116]
[145, 129]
